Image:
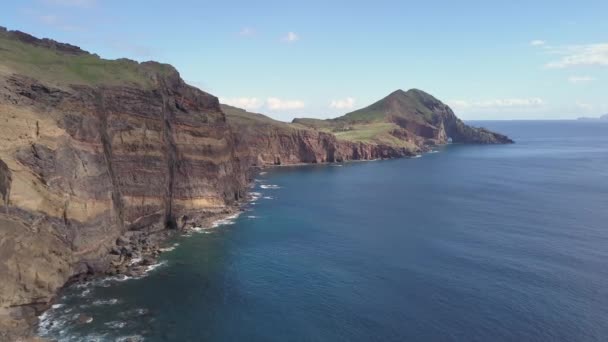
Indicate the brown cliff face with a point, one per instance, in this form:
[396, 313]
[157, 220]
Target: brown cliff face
[262, 141]
[81, 165]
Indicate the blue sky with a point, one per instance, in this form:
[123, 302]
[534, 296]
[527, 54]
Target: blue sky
[487, 59]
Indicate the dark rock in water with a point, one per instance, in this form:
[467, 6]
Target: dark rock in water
[148, 261]
[84, 319]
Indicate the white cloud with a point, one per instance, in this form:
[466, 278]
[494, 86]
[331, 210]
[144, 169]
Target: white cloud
[247, 32]
[497, 103]
[273, 103]
[291, 37]
[248, 103]
[579, 55]
[72, 3]
[346, 103]
[580, 79]
[584, 106]
[538, 42]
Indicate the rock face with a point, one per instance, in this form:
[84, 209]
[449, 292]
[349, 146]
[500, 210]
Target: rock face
[262, 141]
[81, 165]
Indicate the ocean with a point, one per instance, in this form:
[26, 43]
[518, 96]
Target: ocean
[470, 243]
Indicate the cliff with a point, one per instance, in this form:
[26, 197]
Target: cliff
[262, 141]
[89, 162]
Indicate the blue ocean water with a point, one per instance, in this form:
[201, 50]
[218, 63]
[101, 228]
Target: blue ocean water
[473, 243]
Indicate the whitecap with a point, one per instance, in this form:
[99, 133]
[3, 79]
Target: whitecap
[268, 197]
[85, 293]
[152, 267]
[226, 221]
[254, 196]
[269, 186]
[252, 216]
[417, 156]
[116, 324]
[170, 248]
[131, 338]
[110, 301]
[263, 173]
[135, 261]
[57, 306]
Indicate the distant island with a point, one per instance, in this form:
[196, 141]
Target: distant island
[600, 118]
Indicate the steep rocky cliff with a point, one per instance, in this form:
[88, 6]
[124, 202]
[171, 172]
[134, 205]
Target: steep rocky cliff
[262, 141]
[85, 160]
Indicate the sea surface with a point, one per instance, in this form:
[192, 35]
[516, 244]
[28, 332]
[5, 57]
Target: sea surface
[471, 243]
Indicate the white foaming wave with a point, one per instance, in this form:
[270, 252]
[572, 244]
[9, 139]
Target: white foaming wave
[85, 293]
[269, 186]
[433, 151]
[226, 221]
[254, 196]
[252, 216]
[57, 306]
[116, 324]
[268, 197]
[263, 173]
[131, 338]
[170, 248]
[135, 261]
[110, 301]
[417, 156]
[152, 267]
[337, 165]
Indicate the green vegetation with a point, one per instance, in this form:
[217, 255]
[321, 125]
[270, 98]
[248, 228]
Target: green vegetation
[373, 133]
[57, 67]
[376, 123]
[412, 105]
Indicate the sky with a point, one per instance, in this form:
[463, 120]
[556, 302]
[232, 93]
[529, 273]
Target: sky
[486, 59]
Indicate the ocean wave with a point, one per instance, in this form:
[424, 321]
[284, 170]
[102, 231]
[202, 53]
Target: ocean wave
[110, 301]
[135, 261]
[254, 196]
[433, 151]
[417, 156]
[170, 248]
[268, 197]
[226, 221]
[263, 173]
[85, 293]
[131, 338]
[252, 216]
[269, 186]
[115, 324]
[152, 267]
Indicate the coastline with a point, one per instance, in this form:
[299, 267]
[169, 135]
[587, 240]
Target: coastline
[137, 252]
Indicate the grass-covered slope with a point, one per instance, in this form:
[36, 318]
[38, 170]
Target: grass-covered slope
[404, 118]
[59, 63]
